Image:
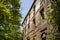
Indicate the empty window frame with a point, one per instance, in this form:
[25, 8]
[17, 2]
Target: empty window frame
[42, 13]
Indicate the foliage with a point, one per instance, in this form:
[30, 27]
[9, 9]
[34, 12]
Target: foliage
[51, 37]
[10, 20]
[31, 38]
[54, 15]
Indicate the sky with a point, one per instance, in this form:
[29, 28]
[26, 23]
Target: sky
[26, 4]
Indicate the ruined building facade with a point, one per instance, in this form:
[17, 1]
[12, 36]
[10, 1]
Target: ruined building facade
[35, 24]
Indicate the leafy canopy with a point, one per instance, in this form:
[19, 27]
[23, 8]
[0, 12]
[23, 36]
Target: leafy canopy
[10, 18]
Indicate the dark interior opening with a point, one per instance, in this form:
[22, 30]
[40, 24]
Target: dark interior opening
[42, 13]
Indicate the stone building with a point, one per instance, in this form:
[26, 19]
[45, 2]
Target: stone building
[35, 24]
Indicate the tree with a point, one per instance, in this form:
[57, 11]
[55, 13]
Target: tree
[10, 18]
[55, 17]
